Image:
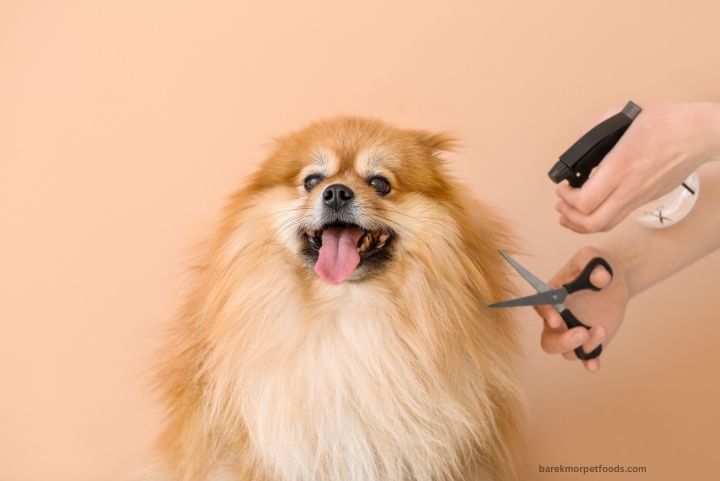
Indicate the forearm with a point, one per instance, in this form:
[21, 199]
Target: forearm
[647, 256]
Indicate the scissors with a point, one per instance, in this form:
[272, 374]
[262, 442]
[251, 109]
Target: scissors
[556, 297]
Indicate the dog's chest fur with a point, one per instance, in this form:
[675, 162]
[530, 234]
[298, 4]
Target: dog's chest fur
[352, 396]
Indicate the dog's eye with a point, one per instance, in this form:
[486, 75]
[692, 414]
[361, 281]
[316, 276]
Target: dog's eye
[380, 184]
[312, 180]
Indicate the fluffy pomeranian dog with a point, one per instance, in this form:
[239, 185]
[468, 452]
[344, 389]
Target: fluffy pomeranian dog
[337, 326]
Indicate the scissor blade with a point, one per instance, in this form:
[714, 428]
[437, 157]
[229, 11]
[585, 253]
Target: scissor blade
[539, 285]
[555, 296]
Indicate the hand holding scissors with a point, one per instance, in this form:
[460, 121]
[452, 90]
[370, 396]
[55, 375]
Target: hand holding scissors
[556, 297]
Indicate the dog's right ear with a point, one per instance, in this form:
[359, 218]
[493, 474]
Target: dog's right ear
[435, 142]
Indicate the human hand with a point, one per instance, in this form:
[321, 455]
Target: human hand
[666, 142]
[603, 310]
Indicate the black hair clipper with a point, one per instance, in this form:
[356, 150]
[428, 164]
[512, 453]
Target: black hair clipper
[579, 160]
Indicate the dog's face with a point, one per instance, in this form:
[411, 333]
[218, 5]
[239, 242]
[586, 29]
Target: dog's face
[354, 192]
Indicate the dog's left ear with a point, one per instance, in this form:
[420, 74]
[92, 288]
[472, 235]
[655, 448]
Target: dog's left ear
[436, 141]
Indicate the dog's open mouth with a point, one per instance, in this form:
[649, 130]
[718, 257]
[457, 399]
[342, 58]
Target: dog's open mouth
[341, 247]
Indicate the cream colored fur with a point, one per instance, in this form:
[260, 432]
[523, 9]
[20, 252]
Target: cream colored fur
[272, 374]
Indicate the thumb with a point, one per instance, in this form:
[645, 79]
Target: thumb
[575, 265]
[600, 277]
[603, 182]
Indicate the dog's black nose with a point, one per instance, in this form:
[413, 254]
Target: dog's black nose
[338, 196]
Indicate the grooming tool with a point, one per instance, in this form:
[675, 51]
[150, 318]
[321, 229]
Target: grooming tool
[579, 160]
[556, 297]
[576, 164]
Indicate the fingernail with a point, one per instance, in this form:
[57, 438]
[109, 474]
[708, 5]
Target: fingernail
[580, 337]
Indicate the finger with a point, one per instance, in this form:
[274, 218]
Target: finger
[597, 336]
[592, 194]
[563, 221]
[570, 270]
[598, 221]
[573, 218]
[551, 316]
[555, 342]
[592, 365]
[570, 218]
[619, 204]
[600, 277]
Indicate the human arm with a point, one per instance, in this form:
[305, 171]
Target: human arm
[640, 258]
[665, 143]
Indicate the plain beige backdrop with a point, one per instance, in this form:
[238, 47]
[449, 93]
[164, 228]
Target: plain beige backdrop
[124, 125]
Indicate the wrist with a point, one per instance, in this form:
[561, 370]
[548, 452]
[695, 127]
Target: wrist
[629, 264]
[626, 254]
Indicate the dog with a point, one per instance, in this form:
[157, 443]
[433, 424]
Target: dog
[337, 326]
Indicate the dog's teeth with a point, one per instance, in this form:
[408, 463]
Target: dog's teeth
[382, 239]
[365, 242]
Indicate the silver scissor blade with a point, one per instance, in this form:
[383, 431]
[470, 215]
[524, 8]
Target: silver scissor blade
[539, 285]
[555, 297]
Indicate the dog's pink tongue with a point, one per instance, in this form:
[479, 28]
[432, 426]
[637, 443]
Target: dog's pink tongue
[339, 255]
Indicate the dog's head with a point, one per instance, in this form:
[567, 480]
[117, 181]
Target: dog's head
[353, 193]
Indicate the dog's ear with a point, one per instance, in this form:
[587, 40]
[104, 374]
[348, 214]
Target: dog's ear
[435, 141]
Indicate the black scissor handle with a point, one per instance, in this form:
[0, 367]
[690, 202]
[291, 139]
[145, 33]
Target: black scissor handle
[572, 321]
[582, 281]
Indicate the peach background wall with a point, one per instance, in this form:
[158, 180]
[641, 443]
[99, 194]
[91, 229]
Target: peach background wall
[123, 125]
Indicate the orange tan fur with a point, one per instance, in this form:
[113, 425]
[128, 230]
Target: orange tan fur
[270, 373]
